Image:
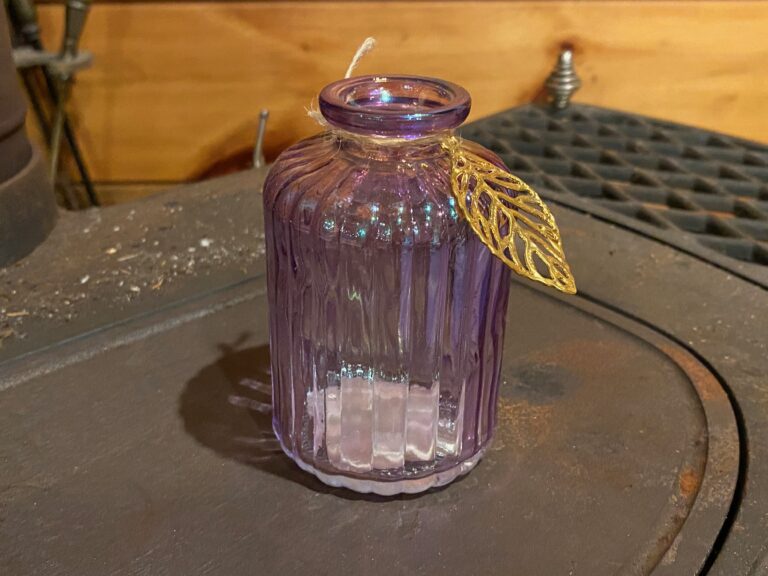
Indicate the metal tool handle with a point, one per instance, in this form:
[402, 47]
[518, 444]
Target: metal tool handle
[258, 149]
[77, 12]
[24, 14]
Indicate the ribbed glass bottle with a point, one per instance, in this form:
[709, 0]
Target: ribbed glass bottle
[386, 312]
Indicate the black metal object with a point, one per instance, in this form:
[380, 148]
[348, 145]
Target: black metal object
[135, 431]
[27, 204]
[710, 187]
[15, 150]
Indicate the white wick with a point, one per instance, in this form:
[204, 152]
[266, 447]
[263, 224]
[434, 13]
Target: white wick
[367, 45]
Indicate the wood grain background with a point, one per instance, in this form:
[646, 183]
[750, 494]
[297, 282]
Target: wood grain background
[176, 88]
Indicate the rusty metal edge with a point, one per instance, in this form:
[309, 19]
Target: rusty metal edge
[716, 496]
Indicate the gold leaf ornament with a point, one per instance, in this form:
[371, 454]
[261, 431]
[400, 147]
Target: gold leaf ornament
[509, 218]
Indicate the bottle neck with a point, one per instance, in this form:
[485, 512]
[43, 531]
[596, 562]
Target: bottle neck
[385, 149]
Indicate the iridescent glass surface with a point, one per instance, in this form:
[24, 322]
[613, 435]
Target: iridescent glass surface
[386, 312]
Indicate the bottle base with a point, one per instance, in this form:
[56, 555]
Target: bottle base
[391, 487]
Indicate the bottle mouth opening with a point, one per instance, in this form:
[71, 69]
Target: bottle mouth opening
[394, 106]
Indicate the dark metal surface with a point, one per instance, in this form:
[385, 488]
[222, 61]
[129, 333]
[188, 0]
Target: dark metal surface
[27, 204]
[135, 435]
[101, 267]
[27, 212]
[15, 150]
[707, 186]
[706, 195]
[171, 461]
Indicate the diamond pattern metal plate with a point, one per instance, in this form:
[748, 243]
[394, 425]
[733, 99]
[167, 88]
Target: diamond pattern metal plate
[709, 186]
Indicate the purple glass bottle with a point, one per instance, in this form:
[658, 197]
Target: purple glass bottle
[386, 312]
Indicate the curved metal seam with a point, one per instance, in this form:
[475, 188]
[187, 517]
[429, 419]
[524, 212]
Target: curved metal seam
[637, 228]
[743, 464]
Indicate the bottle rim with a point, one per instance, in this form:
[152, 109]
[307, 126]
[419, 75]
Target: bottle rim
[394, 106]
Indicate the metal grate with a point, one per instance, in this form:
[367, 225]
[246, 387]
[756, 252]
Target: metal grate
[674, 177]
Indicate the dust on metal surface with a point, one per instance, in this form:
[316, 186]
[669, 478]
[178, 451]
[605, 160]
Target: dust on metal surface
[600, 435]
[104, 263]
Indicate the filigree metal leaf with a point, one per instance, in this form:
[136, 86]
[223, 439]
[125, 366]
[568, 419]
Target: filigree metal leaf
[509, 218]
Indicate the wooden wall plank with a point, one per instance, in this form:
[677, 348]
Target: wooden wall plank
[176, 88]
